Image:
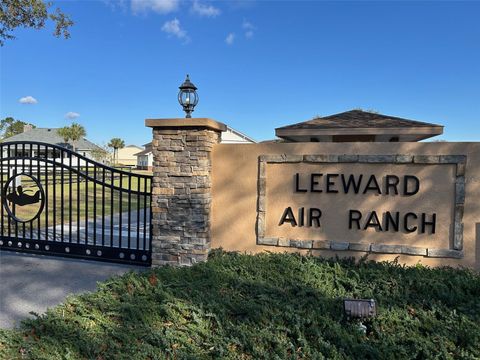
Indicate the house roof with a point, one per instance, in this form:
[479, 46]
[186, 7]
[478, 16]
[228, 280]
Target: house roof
[50, 136]
[133, 146]
[242, 135]
[357, 119]
[359, 123]
[144, 152]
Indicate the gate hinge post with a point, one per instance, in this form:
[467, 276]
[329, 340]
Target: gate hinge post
[182, 188]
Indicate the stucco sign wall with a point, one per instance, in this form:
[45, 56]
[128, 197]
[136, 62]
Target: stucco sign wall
[400, 204]
[414, 202]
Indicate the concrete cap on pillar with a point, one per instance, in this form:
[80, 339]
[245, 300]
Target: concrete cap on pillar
[179, 123]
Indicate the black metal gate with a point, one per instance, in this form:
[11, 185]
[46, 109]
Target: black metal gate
[57, 202]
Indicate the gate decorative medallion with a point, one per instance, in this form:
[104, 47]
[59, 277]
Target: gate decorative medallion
[23, 203]
[55, 201]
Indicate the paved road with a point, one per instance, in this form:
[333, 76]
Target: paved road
[37, 282]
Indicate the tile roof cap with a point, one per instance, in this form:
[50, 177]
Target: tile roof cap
[357, 119]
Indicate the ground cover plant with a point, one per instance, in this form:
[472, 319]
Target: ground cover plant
[267, 306]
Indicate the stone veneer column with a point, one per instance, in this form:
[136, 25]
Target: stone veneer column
[181, 194]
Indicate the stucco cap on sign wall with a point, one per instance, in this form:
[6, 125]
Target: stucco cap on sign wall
[358, 125]
[178, 123]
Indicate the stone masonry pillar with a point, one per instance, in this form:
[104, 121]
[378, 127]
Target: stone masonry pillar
[181, 194]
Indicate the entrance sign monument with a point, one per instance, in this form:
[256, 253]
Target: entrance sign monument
[378, 203]
[349, 184]
[417, 202]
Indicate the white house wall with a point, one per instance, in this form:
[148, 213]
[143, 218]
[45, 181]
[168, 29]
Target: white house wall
[230, 137]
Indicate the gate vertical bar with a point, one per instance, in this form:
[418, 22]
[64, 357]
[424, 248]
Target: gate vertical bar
[70, 185]
[120, 213]
[111, 208]
[145, 214]
[54, 191]
[86, 203]
[95, 205]
[129, 208]
[8, 169]
[39, 179]
[103, 207]
[139, 182]
[78, 199]
[62, 196]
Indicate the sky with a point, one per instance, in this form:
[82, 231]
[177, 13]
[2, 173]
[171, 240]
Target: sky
[258, 65]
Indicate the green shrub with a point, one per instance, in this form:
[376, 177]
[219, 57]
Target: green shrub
[268, 306]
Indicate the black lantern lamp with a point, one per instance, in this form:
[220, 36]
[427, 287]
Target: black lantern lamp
[188, 97]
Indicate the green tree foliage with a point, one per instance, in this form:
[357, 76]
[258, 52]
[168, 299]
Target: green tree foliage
[64, 132]
[73, 132]
[116, 143]
[9, 127]
[31, 14]
[100, 154]
[77, 132]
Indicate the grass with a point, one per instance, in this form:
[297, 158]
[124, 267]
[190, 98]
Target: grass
[268, 306]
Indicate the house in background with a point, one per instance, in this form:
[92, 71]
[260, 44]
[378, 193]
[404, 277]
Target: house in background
[50, 136]
[145, 158]
[230, 136]
[358, 126]
[127, 155]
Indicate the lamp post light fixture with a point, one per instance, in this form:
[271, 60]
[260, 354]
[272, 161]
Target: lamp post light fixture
[188, 97]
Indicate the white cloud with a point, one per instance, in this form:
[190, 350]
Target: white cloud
[174, 28]
[230, 38]
[115, 5]
[72, 115]
[158, 6]
[248, 27]
[204, 9]
[27, 100]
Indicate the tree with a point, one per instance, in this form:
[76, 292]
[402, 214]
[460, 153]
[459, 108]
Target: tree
[99, 154]
[76, 132]
[116, 143]
[9, 127]
[31, 14]
[73, 132]
[64, 132]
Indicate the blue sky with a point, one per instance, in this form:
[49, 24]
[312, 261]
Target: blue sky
[258, 64]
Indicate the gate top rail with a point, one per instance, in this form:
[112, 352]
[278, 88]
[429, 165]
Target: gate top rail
[14, 144]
